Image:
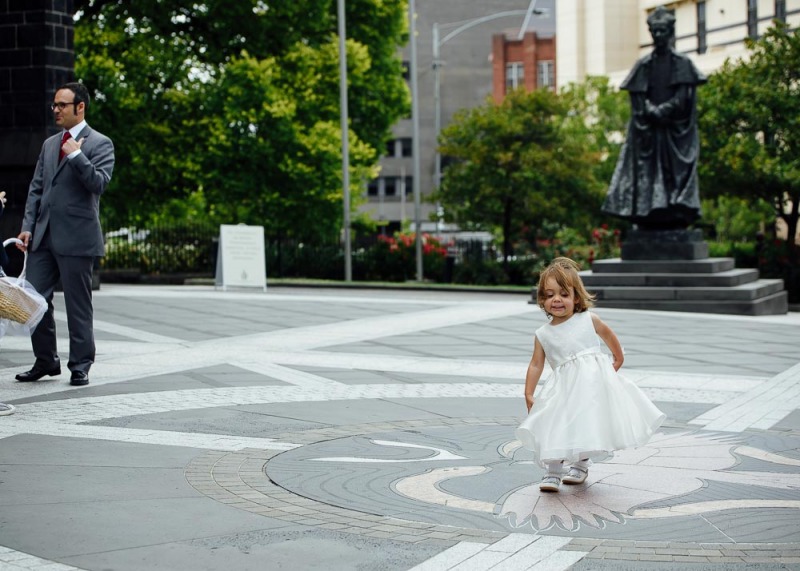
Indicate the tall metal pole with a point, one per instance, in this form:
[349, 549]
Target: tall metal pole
[437, 110]
[531, 12]
[415, 135]
[348, 261]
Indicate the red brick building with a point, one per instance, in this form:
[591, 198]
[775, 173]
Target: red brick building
[529, 62]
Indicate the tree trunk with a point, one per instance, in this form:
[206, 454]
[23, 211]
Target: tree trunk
[507, 207]
[791, 223]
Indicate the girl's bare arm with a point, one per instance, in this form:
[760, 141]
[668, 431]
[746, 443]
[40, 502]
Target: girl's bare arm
[535, 368]
[610, 339]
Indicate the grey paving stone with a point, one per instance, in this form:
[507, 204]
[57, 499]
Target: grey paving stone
[762, 525]
[276, 549]
[682, 411]
[82, 486]
[249, 421]
[790, 422]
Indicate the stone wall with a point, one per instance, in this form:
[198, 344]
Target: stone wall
[36, 56]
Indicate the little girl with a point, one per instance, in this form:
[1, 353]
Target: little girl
[586, 410]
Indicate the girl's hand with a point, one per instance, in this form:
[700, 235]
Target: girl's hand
[529, 400]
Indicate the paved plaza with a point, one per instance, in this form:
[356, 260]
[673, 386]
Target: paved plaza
[374, 430]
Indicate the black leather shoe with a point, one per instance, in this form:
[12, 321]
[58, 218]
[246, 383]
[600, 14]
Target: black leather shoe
[78, 379]
[37, 373]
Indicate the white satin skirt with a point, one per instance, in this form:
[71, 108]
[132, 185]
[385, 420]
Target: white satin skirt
[587, 410]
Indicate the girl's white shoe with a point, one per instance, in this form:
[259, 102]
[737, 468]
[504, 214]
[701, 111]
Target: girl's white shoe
[550, 483]
[575, 475]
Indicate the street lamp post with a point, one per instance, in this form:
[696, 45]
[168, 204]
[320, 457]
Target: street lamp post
[532, 11]
[348, 262]
[415, 139]
[437, 63]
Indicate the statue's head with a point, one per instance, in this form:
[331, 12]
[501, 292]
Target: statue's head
[661, 16]
[662, 26]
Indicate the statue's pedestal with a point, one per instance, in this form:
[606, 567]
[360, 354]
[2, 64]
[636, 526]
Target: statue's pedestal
[669, 270]
[664, 245]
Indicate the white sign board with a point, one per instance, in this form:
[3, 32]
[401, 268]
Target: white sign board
[240, 258]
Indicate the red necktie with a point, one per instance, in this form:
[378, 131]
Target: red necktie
[64, 139]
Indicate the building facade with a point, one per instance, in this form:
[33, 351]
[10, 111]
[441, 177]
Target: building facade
[466, 75]
[529, 63]
[606, 37]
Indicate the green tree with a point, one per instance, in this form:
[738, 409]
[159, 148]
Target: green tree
[263, 166]
[516, 165]
[736, 219]
[750, 126]
[236, 104]
[598, 115]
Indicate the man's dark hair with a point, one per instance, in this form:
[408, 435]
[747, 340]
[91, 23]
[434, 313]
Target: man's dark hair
[80, 91]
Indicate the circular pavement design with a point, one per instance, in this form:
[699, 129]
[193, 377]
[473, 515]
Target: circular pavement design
[732, 497]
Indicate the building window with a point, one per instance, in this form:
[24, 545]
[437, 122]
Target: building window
[373, 188]
[702, 46]
[780, 10]
[752, 19]
[390, 186]
[406, 70]
[546, 77]
[405, 147]
[515, 75]
[398, 147]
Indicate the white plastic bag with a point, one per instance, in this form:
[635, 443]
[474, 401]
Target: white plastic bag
[21, 306]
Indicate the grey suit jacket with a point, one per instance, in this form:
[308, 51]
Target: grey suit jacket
[64, 197]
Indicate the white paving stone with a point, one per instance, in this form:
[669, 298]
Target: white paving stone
[145, 436]
[558, 561]
[11, 560]
[744, 401]
[532, 554]
[451, 557]
[513, 542]
[761, 407]
[153, 355]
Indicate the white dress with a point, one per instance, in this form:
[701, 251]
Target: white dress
[585, 409]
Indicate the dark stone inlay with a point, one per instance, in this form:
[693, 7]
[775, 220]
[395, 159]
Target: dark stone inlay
[223, 476]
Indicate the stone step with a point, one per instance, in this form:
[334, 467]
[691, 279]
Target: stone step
[774, 304]
[744, 292]
[734, 277]
[702, 266]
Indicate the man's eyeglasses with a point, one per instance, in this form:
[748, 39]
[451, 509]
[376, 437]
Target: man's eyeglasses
[61, 106]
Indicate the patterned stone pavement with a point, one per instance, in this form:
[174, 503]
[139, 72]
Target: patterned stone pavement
[374, 430]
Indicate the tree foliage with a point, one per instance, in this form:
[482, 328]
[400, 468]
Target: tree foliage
[735, 219]
[517, 165]
[236, 104]
[598, 116]
[750, 126]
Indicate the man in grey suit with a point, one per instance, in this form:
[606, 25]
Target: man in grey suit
[61, 231]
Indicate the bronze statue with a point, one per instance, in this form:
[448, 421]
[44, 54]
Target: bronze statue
[655, 180]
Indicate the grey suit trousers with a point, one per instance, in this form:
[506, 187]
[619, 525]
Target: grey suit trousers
[44, 269]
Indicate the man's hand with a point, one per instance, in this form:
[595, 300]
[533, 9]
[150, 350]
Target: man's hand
[25, 238]
[71, 145]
